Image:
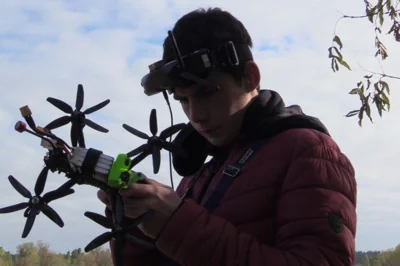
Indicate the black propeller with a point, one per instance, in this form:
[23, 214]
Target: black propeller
[120, 226]
[77, 117]
[116, 233]
[37, 203]
[154, 143]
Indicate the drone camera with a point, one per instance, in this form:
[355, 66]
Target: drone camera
[125, 176]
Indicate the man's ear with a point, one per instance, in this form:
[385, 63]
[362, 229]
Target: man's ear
[251, 76]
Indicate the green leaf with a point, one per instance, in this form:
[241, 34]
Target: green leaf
[360, 116]
[368, 84]
[388, 5]
[376, 86]
[386, 100]
[385, 86]
[333, 64]
[338, 41]
[379, 5]
[378, 104]
[344, 63]
[381, 18]
[355, 91]
[368, 111]
[371, 13]
[352, 113]
[340, 56]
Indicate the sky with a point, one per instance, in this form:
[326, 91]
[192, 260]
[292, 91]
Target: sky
[47, 49]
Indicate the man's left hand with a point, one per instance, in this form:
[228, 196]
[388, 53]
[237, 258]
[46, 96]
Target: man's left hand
[139, 198]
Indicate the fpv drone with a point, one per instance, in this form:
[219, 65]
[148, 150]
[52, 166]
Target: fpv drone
[89, 166]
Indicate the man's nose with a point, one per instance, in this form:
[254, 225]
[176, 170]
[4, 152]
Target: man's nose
[198, 112]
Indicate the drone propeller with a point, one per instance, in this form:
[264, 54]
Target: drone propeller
[37, 203]
[154, 143]
[116, 231]
[119, 232]
[77, 117]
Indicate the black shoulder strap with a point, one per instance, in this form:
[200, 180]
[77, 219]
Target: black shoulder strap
[230, 172]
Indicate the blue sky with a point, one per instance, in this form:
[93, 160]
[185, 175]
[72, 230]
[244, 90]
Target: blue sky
[47, 49]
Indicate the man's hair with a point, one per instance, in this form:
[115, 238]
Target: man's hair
[207, 28]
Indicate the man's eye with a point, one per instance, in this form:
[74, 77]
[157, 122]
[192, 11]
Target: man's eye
[207, 93]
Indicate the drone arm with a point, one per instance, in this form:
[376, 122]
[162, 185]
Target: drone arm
[137, 255]
[132, 254]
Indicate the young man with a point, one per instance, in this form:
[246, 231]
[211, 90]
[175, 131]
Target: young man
[278, 190]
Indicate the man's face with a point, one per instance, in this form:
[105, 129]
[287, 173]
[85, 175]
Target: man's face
[216, 114]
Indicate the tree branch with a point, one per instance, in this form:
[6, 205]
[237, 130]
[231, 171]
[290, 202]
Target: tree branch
[380, 74]
[365, 16]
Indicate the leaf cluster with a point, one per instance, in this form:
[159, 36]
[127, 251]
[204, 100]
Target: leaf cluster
[373, 89]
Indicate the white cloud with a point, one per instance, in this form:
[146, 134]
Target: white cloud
[46, 50]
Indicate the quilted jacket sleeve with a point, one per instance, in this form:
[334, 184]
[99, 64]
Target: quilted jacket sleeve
[316, 221]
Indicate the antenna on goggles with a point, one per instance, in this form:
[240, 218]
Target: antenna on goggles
[177, 53]
[184, 74]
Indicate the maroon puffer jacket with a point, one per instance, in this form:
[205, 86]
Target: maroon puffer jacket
[293, 203]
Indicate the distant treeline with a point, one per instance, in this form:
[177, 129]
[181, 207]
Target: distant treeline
[389, 257]
[40, 254]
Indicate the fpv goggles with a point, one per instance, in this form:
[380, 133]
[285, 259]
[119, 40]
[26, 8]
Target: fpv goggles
[192, 68]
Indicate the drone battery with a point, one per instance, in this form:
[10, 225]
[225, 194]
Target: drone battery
[103, 164]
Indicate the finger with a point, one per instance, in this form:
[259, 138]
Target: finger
[134, 213]
[134, 207]
[156, 183]
[138, 203]
[103, 197]
[139, 191]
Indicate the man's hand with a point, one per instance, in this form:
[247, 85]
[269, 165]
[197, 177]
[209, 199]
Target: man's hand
[103, 197]
[139, 198]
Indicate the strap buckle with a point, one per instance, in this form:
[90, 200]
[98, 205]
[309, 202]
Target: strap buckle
[231, 170]
[227, 54]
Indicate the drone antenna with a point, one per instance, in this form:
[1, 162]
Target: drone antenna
[21, 127]
[175, 48]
